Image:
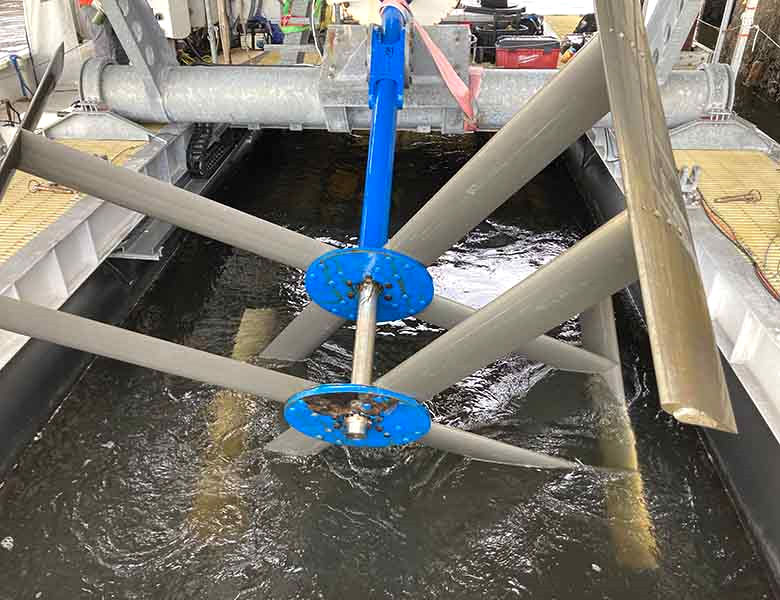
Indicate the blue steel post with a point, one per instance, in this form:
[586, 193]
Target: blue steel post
[385, 98]
[369, 281]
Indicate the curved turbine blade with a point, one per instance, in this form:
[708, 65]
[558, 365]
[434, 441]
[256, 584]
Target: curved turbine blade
[123, 187]
[135, 348]
[45, 88]
[534, 137]
[690, 378]
[10, 160]
[594, 268]
[479, 447]
[91, 336]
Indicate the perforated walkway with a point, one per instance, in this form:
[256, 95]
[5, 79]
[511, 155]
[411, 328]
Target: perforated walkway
[741, 195]
[30, 204]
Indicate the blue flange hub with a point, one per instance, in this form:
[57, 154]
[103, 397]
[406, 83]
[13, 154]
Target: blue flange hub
[395, 418]
[332, 281]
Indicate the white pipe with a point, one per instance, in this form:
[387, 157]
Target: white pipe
[211, 32]
[748, 16]
[724, 25]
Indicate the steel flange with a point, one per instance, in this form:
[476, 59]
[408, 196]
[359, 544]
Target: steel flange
[392, 418]
[332, 281]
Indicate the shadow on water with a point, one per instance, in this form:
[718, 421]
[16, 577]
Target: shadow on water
[99, 504]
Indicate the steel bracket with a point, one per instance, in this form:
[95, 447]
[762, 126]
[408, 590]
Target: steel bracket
[345, 73]
[144, 42]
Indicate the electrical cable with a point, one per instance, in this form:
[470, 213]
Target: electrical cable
[314, 31]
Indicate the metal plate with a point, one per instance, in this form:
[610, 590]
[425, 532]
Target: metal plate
[395, 418]
[332, 282]
[690, 378]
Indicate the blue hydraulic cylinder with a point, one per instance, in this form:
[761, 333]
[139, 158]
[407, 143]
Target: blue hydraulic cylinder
[386, 86]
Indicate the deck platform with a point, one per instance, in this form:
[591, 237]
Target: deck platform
[52, 238]
[31, 205]
[740, 192]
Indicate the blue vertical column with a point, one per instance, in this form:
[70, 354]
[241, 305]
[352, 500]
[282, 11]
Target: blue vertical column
[386, 87]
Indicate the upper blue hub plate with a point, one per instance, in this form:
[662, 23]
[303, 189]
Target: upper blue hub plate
[395, 418]
[332, 281]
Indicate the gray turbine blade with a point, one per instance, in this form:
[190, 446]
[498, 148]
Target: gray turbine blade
[304, 334]
[441, 437]
[294, 443]
[114, 342]
[294, 344]
[592, 269]
[539, 132]
[555, 353]
[45, 87]
[47, 84]
[536, 135]
[91, 175]
[485, 449]
[690, 378]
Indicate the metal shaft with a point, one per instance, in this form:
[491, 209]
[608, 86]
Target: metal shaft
[363, 354]
[365, 334]
[381, 146]
[379, 168]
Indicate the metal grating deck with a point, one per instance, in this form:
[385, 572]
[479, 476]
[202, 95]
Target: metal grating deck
[30, 204]
[741, 195]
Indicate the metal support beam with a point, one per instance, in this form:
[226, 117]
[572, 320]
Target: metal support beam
[145, 44]
[728, 9]
[668, 27]
[211, 33]
[290, 97]
[598, 266]
[123, 187]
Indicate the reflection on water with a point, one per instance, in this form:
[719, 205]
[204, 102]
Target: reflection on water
[102, 503]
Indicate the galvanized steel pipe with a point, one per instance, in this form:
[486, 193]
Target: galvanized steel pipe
[288, 97]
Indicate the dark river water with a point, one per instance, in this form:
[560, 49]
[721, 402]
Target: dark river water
[123, 495]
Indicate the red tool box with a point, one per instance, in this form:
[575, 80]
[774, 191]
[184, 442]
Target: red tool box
[528, 52]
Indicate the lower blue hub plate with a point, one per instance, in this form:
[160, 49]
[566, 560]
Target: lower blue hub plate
[333, 282]
[395, 419]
